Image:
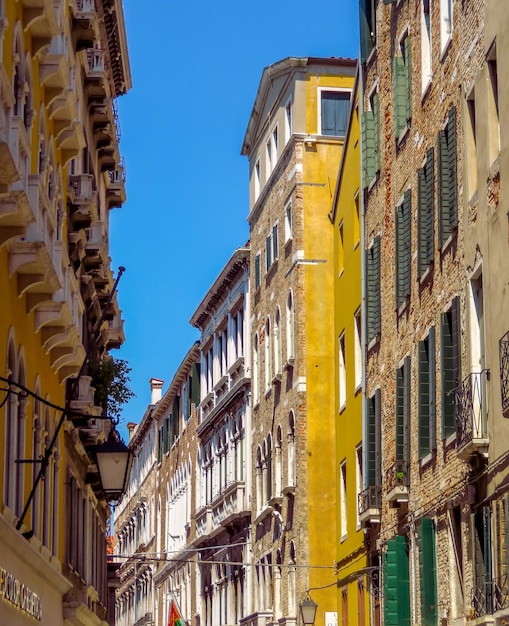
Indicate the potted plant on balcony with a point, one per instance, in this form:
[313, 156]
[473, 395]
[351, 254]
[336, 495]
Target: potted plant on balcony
[110, 379]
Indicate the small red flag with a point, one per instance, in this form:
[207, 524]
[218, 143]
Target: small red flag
[175, 616]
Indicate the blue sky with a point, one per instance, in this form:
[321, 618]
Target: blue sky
[195, 69]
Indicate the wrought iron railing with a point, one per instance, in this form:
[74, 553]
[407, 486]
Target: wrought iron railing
[370, 498]
[397, 475]
[504, 372]
[470, 408]
[490, 596]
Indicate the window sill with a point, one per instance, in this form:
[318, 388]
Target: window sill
[403, 134]
[445, 48]
[447, 243]
[426, 89]
[256, 405]
[358, 389]
[267, 392]
[426, 460]
[289, 363]
[342, 408]
[426, 274]
[276, 379]
[343, 538]
[342, 271]
[374, 181]
[372, 342]
[356, 244]
[403, 306]
[266, 511]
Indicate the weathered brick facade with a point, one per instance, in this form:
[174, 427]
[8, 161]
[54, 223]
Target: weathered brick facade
[436, 480]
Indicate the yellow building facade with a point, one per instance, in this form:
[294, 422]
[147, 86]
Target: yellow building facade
[62, 63]
[294, 141]
[353, 578]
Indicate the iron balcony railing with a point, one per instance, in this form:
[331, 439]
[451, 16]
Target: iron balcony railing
[504, 372]
[370, 498]
[470, 408]
[490, 596]
[397, 475]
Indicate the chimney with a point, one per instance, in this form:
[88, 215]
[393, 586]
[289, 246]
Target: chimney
[131, 427]
[156, 387]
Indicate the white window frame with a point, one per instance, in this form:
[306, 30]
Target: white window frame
[342, 371]
[288, 221]
[446, 23]
[426, 47]
[257, 179]
[357, 320]
[343, 500]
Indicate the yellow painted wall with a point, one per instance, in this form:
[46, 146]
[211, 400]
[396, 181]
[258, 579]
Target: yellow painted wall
[351, 555]
[14, 320]
[320, 168]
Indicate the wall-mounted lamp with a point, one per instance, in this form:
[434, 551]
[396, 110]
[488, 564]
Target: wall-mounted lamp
[114, 464]
[308, 610]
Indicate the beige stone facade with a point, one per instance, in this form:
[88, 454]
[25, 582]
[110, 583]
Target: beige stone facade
[293, 155]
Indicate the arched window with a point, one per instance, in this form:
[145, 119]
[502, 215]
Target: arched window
[277, 585]
[259, 479]
[37, 453]
[291, 450]
[256, 371]
[20, 439]
[290, 328]
[292, 607]
[278, 462]
[11, 433]
[47, 510]
[268, 354]
[278, 356]
[268, 468]
[56, 492]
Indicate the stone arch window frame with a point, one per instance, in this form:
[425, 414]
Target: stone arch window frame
[256, 369]
[37, 452]
[47, 507]
[278, 348]
[278, 462]
[28, 89]
[259, 478]
[11, 425]
[290, 327]
[267, 442]
[21, 439]
[291, 460]
[18, 71]
[268, 353]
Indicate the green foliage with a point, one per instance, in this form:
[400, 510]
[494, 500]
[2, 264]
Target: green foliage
[110, 378]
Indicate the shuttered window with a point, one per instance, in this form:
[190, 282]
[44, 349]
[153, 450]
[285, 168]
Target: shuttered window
[335, 106]
[403, 249]
[373, 443]
[426, 213]
[403, 413]
[450, 364]
[396, 583]
[373, 289]
[257, 270]
[370, 137]
[402, 86]
[428, 573]
[367, 16]
[427, 403]
[160, 444]
[483, 568]
[447, 180]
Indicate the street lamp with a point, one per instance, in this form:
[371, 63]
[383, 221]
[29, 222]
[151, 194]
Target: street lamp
[114, 464]
[308, 610]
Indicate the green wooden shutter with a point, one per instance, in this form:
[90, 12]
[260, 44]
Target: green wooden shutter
[390, 1]
[396, 583]
[452, 165]
[444, 229]
[406, 415]
[428, 573]
[403, 249]
[399, 93]
[257, 271]
[432, 390]
[368, 148]
[505, 535]
[421, 221]
[429, 169]
[275, 243]
[424, 426]
[371, 442]
[373, 288]
[450, 365]
[378, 437]
[400, 416]
[407, 58]
[375, 101]
[160, 444]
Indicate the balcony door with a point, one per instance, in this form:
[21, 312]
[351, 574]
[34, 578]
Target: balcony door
[478, 354]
